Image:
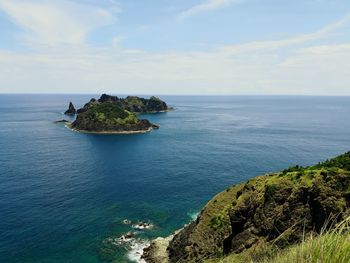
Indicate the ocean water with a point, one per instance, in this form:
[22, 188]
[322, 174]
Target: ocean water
[64, 195]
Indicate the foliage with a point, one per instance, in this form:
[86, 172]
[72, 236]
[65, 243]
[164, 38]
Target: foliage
[110, 114]
[296, 168]
[107, 111]
[217, 222]
[342, 162]
[270, 190]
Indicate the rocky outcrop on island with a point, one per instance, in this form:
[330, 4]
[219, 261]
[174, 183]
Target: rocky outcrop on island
[131, 103]
[71, 110]
[271, 211]
[88, 105]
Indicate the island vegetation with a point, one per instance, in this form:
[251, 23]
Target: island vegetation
[110, 118]
[289, 216]
[113, 115]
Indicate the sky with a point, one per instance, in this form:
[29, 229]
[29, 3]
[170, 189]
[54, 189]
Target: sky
[204, 47]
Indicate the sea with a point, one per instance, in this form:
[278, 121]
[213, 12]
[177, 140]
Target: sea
[68, 197]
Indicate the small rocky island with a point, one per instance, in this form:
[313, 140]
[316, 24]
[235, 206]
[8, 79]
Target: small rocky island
[114, 115]
[71, 110]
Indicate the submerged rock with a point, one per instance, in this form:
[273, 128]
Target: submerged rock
[142, 226]
[127, 222]
[71, 110]
[125, 238]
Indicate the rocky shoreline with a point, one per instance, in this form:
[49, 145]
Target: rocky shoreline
[154, 127]
[157, 252]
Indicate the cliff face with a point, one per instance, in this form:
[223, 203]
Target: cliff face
[204, 237]
[273, 210]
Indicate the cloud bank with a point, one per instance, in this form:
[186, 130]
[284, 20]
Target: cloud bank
[57, 22]
[60, 59]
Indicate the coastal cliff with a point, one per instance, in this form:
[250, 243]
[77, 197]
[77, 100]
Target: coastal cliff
[267, 213]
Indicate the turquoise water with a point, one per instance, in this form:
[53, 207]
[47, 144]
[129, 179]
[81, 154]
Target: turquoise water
[63, 194]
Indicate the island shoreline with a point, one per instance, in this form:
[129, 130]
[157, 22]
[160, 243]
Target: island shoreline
[69, 126]
[157, 250]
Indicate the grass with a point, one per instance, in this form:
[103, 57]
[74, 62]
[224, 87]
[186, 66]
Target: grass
[331, 246]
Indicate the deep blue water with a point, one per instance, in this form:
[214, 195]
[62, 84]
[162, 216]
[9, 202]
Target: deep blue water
[63, 193]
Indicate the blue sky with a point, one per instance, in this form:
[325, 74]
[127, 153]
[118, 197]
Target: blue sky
[175, 46]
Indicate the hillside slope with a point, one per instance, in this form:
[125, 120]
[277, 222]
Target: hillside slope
[271, 211]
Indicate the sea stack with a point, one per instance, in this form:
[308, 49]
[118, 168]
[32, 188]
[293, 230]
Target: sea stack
[71, 110]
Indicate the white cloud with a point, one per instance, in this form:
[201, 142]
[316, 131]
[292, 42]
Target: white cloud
[297, 40]
[117, 40]
[57, 22]
[206, 6]
[297, 65]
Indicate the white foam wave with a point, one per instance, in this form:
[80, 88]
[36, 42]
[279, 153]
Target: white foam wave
[193, 215]
[136, 250]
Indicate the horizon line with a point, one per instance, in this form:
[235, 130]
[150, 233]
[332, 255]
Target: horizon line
[174, 94]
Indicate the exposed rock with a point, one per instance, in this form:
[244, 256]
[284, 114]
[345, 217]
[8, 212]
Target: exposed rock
[137, 104]
[204, 237]
[108, 98]
[154, 104]
[62, 121]
[71, 110]
[273, 210]
[91, 103]
[157, 251]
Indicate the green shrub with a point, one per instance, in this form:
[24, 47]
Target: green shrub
[217, 222]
